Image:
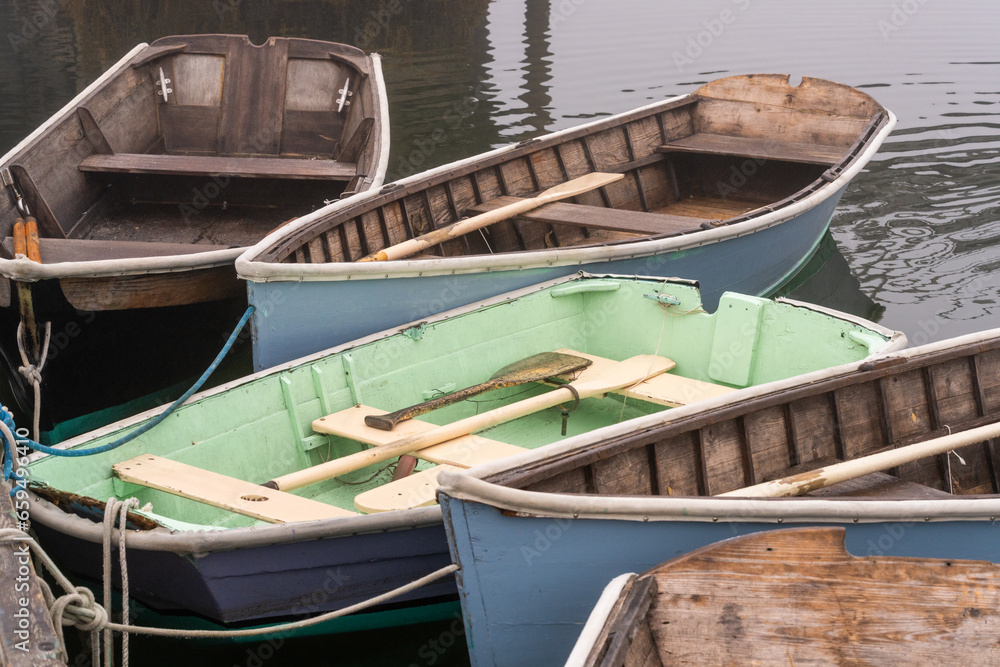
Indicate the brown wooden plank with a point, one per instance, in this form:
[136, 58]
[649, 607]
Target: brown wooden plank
[152, 290]
[189, 128]
[797, 597]
[92, 131]
[27, 637]
[762, 149]
[312, 133]
[207, 165]
[54, 251]
[253, 97]
[879, 485]
[596, 217]
[48, 225]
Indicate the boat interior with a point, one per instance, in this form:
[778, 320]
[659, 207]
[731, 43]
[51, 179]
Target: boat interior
[298, 418]
[736, 148]
[886, 404]
[200, 142]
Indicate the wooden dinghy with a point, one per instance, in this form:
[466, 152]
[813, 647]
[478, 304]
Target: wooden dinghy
[217, 543]
[145, 188]
[732, 185]
[795, 597]
[900, 451]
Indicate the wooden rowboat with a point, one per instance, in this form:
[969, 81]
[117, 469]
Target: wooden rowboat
[795, 597]
[218, 544]
[539, 535]
[147, 186]
[732, 185]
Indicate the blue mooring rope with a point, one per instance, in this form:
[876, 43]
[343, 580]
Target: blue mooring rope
[8, 418]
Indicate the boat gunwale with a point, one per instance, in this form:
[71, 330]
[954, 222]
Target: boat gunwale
[25, 270]
[486, 483]
[165, 539]
[258, 264]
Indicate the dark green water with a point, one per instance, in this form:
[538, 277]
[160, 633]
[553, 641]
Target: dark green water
[917, 236]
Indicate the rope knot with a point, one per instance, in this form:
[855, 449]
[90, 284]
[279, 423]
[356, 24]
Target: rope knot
[80, 610]
[31, 373]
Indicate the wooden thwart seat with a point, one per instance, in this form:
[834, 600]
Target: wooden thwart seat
[598, 217]
[664, 389]
[218, 490]
[210, 165]
[416, 490]
[763, 149]
[464, 452]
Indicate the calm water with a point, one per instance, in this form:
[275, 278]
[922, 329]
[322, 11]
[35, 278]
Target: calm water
[919, 230]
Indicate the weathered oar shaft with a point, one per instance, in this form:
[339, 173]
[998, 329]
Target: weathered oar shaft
[841, 472]
[576, 186]
[362, 459]
[625, 374]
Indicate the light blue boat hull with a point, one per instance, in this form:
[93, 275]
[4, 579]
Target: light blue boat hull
[527, 585]
[293, 319]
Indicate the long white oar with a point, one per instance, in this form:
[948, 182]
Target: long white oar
[841, 472]
[576, 186]
[624, 374]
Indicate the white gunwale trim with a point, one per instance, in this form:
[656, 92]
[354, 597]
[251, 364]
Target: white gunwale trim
[598, 619]
[382, 156]
[468, 488]
[249, 268]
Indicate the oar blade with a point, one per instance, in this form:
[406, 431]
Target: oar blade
[578, 186]
[624, 374]
[535, 368]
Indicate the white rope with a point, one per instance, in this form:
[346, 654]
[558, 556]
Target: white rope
[33, 372]
[78, 607]
[116, 509]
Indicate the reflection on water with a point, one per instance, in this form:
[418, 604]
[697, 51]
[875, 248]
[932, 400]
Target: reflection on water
[919, 229]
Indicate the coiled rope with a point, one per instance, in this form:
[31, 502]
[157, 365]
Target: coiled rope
[77, 607]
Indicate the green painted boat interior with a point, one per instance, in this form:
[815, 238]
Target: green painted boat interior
[260, 428]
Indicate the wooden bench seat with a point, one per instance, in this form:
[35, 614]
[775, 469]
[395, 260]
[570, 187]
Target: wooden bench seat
[664, 389]
[416, 490]
[210, 165]
[599, 217]
[763, 149]
[229, 493]
[54, 251]
[464, 452]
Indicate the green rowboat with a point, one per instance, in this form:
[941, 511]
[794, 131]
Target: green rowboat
[210, 540]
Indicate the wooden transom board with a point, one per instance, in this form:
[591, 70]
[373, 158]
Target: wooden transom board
[797, 597]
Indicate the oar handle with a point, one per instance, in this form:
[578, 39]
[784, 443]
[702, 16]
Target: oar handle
[841, 472]
[387, 422]
[25, 235]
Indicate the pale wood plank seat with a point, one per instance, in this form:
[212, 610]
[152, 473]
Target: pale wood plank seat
[665, 389]
[218, 490]
[210, 165]
[764, 149]
[464, 452]
[416, 490]
[54, 251]
[599, 217]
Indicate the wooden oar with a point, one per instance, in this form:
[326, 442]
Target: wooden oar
[841, 472]
[571, 188]
[535, 368]
[625, 374]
